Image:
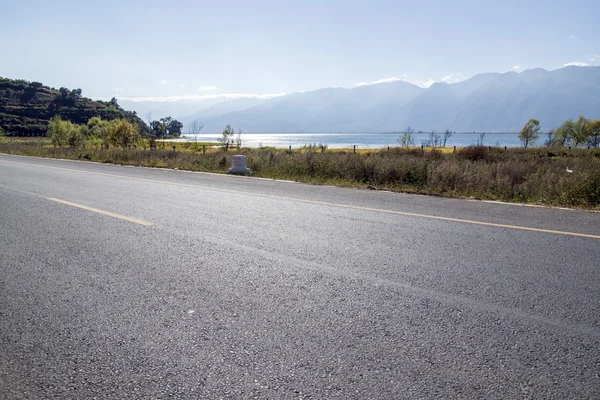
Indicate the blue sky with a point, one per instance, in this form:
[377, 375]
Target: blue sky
[198, 49]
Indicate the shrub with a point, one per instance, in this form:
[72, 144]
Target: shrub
[473, 153]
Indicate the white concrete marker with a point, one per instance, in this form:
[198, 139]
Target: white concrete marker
[238, 165]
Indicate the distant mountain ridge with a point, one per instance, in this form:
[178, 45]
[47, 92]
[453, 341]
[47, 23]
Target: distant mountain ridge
[490, 102]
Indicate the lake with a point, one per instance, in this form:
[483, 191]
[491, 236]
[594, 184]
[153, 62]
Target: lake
[363, 140]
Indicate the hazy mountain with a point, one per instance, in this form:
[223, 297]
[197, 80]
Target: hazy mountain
[486, 102]
[160, 109]
[220, 108]
[323, 110]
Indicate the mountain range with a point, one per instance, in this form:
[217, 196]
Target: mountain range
[490, 102]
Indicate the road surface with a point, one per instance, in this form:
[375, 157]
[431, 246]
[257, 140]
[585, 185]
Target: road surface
[124, 282]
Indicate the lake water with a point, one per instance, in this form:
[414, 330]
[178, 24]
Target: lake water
[362, 140]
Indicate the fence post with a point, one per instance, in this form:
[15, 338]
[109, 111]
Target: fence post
[454, 151]
[203, 149]
[174, 148]
[354, 149]
[290, 149]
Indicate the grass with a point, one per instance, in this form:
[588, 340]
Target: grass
[535, 176]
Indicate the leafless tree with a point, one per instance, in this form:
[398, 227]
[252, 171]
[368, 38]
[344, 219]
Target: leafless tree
[195, 129]
[447, 134]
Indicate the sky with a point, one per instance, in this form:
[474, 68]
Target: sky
[194, 50]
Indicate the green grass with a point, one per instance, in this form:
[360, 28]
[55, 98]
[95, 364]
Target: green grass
[536, 176]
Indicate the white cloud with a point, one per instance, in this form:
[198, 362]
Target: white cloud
[181, 86]
[425, 84]
[384, 80]
[207, 88]
[595, 57]
[576, 64]
[452, 78]
[516, 68]
[169, 99]
[164, 82]
[118, 89]
[573, 37]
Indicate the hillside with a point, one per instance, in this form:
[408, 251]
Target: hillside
[490, 102]
[27, 107]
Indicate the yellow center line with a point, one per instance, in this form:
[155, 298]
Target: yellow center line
[339, 205]
[110, 214]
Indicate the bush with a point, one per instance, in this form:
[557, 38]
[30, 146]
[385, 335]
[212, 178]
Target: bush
[473, 153]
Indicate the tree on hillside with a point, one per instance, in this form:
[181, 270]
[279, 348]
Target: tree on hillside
[594, 130]
[64, 92]
[530, 132]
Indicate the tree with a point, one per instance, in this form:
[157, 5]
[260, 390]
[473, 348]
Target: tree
[195, 129]
[64, 92]
[530, 132]
[158, 128]
[238, 139]
[551, 138]
[564, 133]
[447, 134]
[123, 133]
[226, 138]
[175, 128]
[98, 128]
[58, 131]
[407, 138]
[594, 130]
[75, 136]
[581, 133]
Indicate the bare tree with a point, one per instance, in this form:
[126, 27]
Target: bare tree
[480, 140]
[407, 138]
[238, 139]
[447, 134]
[195, 129]
[434, 139]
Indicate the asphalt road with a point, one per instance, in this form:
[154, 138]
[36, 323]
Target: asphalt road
[171, 284]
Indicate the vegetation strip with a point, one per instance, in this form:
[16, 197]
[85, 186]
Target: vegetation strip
[108, 213]
[409, 214]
